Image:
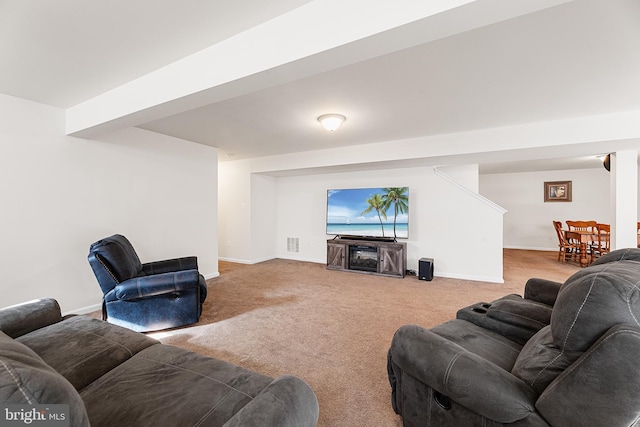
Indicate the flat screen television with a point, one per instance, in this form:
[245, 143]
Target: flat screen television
[368, 212]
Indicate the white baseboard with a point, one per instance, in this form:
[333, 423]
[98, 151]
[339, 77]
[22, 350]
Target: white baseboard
[528, 248]
[472, 278]
[314, 260]
[256, 261]
[245, 261]
[85, 310]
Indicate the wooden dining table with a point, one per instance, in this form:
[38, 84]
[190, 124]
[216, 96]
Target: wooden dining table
[585, 237]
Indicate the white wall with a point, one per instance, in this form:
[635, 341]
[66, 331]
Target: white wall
[527, 228]
[624, 199]
[263, 217]
[234, 211]
[247, 213]
[438, 217]
[528, 222]
[60, 194]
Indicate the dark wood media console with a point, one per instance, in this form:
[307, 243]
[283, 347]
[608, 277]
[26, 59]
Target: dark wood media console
[368, 256]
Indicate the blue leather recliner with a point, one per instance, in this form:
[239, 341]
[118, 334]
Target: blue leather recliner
[146, 297]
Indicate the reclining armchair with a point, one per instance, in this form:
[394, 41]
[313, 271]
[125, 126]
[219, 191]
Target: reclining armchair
[579, 370]
[146, 297]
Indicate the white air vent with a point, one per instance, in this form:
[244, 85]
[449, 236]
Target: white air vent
[293, 244]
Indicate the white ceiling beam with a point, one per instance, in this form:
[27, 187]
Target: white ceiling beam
[319, 36]
[569, 138]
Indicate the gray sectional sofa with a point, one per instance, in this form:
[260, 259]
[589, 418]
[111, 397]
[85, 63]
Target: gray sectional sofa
[566, 355]
[112, 376]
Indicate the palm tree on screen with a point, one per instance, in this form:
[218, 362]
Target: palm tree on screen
[396, 196]
[376, 202]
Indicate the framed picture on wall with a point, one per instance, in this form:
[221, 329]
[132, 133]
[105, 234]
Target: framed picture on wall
[557, 191]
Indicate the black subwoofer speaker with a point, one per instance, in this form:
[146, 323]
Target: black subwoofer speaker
[425, 269]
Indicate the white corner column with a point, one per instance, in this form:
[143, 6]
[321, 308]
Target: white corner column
[624, 199]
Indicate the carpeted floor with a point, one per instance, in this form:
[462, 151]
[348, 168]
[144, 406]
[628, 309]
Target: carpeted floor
[333, 329]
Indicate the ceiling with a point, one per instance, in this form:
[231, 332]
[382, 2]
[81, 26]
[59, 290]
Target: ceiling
[483, 64]
[64, 52]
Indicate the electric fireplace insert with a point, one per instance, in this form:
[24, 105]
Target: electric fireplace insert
[363, 258]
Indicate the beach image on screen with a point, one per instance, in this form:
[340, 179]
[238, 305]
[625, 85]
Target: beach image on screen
[370, 212]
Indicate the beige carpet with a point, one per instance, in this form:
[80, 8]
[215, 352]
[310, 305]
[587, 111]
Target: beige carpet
[333, 329]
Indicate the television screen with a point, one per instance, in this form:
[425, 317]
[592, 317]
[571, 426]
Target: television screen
[369, 212]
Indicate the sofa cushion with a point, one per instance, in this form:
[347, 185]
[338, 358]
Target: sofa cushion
[592, 301]
[480, 341]
[170, 386]
[286, 402]
[628, 254]
[83, 349]
[589, 303]
[26, 379]
[601, 388]
[540, 361]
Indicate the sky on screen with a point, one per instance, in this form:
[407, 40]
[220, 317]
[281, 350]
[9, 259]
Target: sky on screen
[344, 206]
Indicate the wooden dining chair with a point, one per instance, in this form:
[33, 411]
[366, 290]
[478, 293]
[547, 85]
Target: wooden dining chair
[566, 249]
[602, 246]
[582, 225]
[589, 226]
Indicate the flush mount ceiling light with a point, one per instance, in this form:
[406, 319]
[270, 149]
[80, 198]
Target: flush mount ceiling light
[331, 122]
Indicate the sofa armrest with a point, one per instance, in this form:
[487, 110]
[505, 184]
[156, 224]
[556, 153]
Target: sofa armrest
[542, 290]
[159, 284]
[510, 316]
[524, 313]
[468, 379]
[286, 402]
[21, 319]
[601, 387]
[170, 265]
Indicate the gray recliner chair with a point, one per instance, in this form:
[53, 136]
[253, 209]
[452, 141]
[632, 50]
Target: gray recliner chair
[580, 370]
